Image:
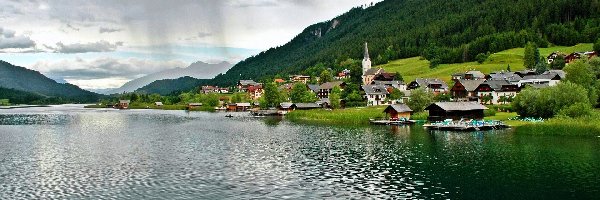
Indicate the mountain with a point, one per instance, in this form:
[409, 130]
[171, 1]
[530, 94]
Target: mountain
[199, 70]
[168, 86]
[22, 79]
[443, 31]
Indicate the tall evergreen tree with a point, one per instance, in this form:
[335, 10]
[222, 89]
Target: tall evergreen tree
[530, 58]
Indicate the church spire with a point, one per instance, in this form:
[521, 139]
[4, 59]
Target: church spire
[366, 51]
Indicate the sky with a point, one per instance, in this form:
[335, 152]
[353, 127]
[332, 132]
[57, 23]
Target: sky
[99, 44]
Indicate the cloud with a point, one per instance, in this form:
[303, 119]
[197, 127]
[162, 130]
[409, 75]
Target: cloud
[9, 40]
[103, 68]
[109, 30]
[100, 46]
[204, 34]
[253, 3]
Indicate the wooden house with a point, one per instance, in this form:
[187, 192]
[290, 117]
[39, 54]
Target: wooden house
[325, 88]
[436, 86]
[287, 107]
[398, 111]
[243, 85]
[242, 106]
[455, 110]
[464, 90]
[191, 106]
[299, 78]
[123, 104]
[306, 106]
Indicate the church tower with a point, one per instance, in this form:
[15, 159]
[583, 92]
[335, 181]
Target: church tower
[366, 63]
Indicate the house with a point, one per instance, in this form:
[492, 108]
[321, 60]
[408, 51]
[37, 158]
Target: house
[306, 106]
[314, 88]
[343, 74]
[503, 75]
[464, 90]
[243, 85]
[469, 75]
[209, 89]
[370, 74]
[286, 107]
[573, 56]
[223, 90]
[191, 106]
[123, 104]
[279, 81]
[497, 89]
[299, 78]
[550, 78]
[550, 58]
[384, 76]
[376, 94]
[255, 91]
[527, 72]
[238, 107]
[393, 84]
[436, 86]
[455, 110]
[158, 104]
[325, 88]
[398, 111]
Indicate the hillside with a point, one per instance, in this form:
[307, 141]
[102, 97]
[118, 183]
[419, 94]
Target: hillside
[199, 70]
[416, 67]
[443, 31]
[20, 78]
[168, 86]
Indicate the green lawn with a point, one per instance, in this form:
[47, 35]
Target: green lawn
[349, 116]
[416, 67]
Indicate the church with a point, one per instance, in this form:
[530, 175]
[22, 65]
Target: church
[369, 73]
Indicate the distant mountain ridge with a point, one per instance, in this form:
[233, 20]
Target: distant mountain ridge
[198, 70]
[168, 86]
[23, 79]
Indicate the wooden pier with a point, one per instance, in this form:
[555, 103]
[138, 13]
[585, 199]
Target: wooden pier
[466, 126]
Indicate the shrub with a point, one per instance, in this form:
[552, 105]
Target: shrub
[548, 102]
[489, 112]
[577, 110]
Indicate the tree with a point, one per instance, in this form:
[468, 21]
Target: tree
[396, 94]
[487, 99]
[272, 96]
[548, 102]
[597, 46]
[354, 99]
[420, 99]
[481, 57]
[335, 97]
[442, 97]
[581, 73]
[211, 100]
[298, 92]
[541, 67]
[399, 77]
[530, 59]
[309, 97]
[326, 76]
[558, 63]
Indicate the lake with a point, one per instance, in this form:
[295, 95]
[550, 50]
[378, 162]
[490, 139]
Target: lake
[67, 152]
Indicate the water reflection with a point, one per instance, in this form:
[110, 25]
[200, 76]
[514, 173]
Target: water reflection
[76, 153]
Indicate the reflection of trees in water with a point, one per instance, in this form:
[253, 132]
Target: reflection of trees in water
[273, 121]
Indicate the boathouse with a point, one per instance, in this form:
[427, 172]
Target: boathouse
[306, 106]
[123, 104]
[455, 110]
[193, 106]
[158, 104]
[288, 107]
[398, 111]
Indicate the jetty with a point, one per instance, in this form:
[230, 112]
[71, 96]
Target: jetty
[391, 122]
[470, 125]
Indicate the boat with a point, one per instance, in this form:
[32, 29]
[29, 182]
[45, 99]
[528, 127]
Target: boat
[229, 116]
[391, 122]
[464, 125]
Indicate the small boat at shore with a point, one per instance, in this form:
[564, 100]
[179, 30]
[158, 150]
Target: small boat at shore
[229, 116]
[391, 122]
[462, 125]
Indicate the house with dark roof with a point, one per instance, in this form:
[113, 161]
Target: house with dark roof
[500, 91]
[455, 110]
[394, 84]
[551, 78]
[503, 75]
[244, 84]
[325, 88]
[376, 94]
[436, 86]
[469, 75]
[398, 111]
[527, 72]
[306, 106]
[464, 90]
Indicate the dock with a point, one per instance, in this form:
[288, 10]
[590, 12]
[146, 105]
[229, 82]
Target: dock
[473, 125]
[391, 122]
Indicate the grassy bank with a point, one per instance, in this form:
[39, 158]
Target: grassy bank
[416, 67]
[349, 116]
[587, 126]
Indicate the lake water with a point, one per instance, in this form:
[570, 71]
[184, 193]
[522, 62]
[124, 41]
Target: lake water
[67, 152]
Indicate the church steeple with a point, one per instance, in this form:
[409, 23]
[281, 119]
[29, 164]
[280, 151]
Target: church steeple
[366, 51]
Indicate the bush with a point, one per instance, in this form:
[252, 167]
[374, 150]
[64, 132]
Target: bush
[481, 57]
[577, 110]
[489, 112]
[420, 116]
[548, 102]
